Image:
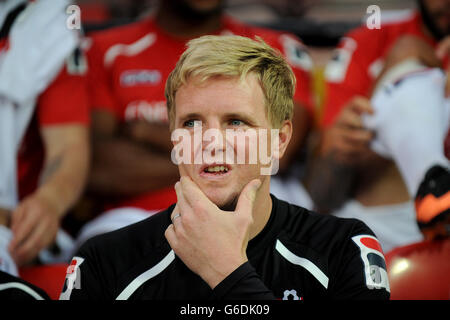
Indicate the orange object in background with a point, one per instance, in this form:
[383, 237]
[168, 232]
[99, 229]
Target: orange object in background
[420, 271]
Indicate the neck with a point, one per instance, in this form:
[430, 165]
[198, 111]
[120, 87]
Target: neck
[428, 26]
[175, 23]
[261, 209]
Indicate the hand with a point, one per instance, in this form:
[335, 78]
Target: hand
[347, 139]
[211, 242]
[34, 225]
[443, 51]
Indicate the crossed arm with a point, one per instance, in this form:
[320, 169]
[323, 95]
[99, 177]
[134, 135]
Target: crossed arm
[37, 218]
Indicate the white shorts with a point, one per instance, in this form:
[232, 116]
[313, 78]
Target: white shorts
[393, 225]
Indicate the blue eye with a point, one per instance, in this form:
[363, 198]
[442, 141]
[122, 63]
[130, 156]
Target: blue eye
[236, 122]
[192, 123]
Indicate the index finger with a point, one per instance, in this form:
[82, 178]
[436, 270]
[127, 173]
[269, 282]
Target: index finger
[361, 105]
[193, 195]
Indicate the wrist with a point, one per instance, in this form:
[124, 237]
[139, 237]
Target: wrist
[53, 199]
[215, 276]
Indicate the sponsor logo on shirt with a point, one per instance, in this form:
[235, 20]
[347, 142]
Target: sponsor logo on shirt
[73, 278]
[375, 270]
[132, 78]
[155, 111]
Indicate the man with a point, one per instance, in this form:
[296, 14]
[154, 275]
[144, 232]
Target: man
[346, 178]
[129, 66]
[44, 115]
[227, 237]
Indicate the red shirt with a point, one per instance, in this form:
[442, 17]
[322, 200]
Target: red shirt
[359, 60]
[129, 66]
[64, 101]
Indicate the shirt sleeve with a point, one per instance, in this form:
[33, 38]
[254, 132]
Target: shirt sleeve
[66, 100]
[300, 61]
[100, 86]
[361, 273]
[350, 71]
[243, 284]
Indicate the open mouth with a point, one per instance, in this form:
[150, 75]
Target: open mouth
[215, 170]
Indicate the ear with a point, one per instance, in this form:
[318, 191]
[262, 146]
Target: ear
[284, 137]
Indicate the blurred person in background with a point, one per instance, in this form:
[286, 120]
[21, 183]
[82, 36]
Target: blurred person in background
[99, 12]
[346, 177]
[129, 65]
[44, 140]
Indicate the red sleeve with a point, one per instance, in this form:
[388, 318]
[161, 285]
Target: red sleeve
[348, 72]
[301, 63]
[99, 81]
[65, 100]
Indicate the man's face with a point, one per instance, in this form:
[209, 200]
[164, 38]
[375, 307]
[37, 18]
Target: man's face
[439, 12]
[221, 105]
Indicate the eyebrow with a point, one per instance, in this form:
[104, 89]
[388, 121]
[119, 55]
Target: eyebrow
[242, 116]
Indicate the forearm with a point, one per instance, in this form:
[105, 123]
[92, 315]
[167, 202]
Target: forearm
[122, 167]
[64, 176]
[328, 181]
[154, 135]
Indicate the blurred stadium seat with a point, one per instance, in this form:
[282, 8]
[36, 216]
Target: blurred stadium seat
[49, 278]
[420, 271]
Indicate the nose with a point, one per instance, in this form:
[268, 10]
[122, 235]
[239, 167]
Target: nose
[213, 145]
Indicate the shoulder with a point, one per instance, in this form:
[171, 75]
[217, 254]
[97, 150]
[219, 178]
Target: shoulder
[123, 34]
[341, 253]
[130, 243]
[273, 37]
[305, 225]
[15, 289]
[286, 43]
[392, 27]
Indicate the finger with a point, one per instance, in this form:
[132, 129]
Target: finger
[16, 217]
[171, 237]
[37, 240]
[182, 204]
[247, 198]
[361, 105]
[176, 217]
[350, 118]
[193, 195]
[443, 48]
[357, 136]
[27, 223]
[175, 211]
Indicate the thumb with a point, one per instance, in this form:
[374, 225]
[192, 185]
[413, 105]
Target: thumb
[247, 198]
[362, 105]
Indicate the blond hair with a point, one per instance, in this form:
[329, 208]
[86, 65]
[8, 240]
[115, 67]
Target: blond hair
[235, 56]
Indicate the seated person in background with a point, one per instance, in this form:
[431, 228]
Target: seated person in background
[411, 120]
[131, 138]
[44, 144]
[346, 178]
[226, 237]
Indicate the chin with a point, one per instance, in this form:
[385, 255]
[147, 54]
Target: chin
[225, 200]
